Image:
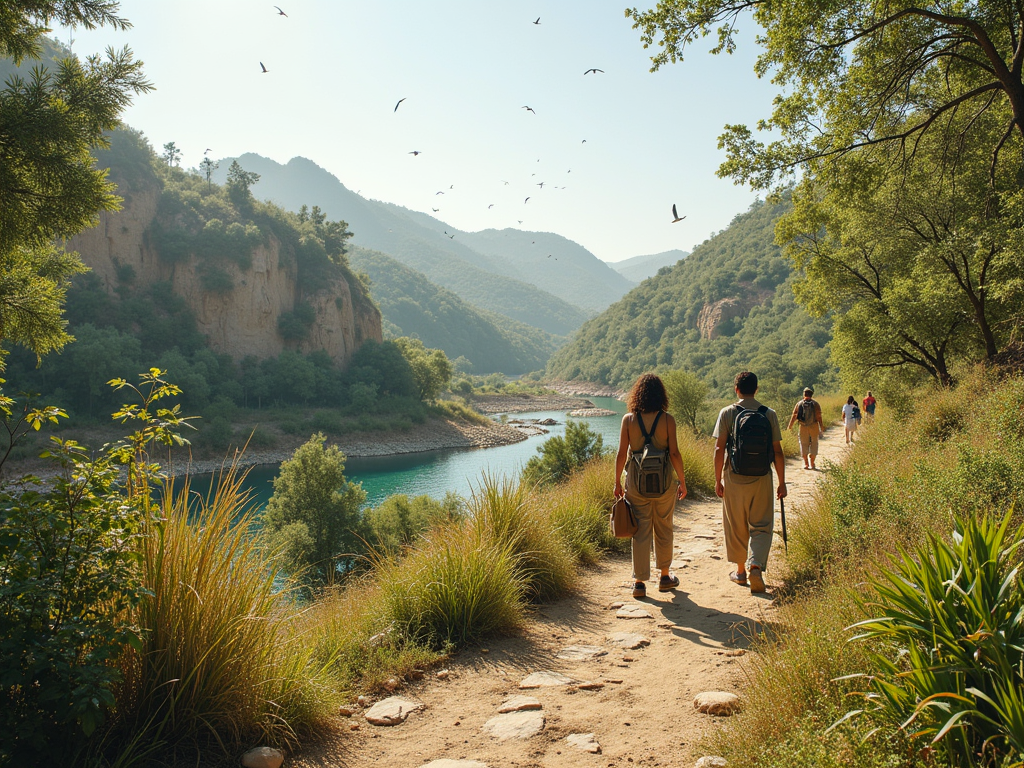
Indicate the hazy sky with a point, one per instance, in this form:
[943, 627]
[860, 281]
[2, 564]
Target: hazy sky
[466, 68]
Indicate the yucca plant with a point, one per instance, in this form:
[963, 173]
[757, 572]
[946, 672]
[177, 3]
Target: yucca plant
[947, 626]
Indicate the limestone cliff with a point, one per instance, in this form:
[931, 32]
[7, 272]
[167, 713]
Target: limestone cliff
[714, 313]
[242, 320]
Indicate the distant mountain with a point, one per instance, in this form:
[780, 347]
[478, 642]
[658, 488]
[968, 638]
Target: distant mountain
[417, 240]
[726, 307]
[639, 268]
[411, 305]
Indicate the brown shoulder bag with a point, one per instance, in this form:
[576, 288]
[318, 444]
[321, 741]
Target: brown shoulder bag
[623, 521]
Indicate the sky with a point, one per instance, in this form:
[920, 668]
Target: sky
[625, 144]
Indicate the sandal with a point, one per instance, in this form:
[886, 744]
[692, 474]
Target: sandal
[756, 580]
[668, 583]
[639, 589]
[738, 578]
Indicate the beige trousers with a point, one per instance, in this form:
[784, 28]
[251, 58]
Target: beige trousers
[748, 515]
[654, 520]
[808, 440]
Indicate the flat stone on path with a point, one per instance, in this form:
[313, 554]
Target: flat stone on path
[717, 703]
[545, 680]
[711, 762]
[585, 741]
[391, 711]
[630, 641]
[263, 757]
[515, 725]
[633, 611]
[580, 653]
[519, 704]
[446, 763]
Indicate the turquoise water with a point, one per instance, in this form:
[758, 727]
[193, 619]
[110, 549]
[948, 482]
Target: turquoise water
[436, 472]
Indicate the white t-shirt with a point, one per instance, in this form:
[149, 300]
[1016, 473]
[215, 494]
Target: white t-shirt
[848, 416]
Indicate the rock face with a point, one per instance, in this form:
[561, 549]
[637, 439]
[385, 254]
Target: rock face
[714, 314]
[263, 757]
[391, 711]
[515, 725]
[243, 320]
[717, 703]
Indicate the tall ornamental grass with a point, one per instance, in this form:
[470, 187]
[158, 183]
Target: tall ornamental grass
[220, 661]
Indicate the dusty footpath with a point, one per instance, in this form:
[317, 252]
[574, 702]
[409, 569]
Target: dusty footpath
[629, 700]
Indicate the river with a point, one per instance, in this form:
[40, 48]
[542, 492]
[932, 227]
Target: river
[434, 473]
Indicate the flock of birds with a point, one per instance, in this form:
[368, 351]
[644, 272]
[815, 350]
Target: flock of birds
[676, 218]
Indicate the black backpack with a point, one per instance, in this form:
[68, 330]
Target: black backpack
[751, 449]
[651, 465]
[856, 413]
[806, 413]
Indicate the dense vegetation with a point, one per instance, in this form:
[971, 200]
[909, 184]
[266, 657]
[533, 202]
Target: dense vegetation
[655, 325]
[411, 305]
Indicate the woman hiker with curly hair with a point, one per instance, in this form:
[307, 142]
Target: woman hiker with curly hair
[647, 418]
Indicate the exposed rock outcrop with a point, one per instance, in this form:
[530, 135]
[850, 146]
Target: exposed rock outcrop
[714, 313]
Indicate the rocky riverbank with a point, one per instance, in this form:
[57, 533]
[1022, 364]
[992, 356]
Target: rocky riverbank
[585, 389]
[527, 403]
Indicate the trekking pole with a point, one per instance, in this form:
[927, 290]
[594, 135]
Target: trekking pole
[785, 537]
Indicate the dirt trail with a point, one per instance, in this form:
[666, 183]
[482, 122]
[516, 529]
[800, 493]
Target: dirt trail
[643, 714]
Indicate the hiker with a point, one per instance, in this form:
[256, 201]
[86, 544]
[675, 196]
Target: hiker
[808, 413]
[648, 451]
[748, 443]
[851, 417]
[869, 406]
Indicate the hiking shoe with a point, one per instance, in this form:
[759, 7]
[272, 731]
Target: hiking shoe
[756, 579]
[639, 589]
[738, 578]
[668, 583]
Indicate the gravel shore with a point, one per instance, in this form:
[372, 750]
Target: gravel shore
[528, 403]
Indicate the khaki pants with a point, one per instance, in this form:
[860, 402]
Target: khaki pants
[654, 520]
[808, 441]
[748, 515]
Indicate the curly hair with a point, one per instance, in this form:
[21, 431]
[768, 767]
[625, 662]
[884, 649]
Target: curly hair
[647, 395]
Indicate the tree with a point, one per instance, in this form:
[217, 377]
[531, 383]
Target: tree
[206, 168]
[560, 456]
[49, 123]
[854, 71]
[171, 155]
[430, 367]
[687, 393]
[239, 181]
[314, 513]
[399, 520]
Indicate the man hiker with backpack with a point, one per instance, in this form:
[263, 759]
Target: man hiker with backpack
[749, 442]
[808, 413]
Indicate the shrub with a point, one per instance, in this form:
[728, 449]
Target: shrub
[560, 456]
[687, 394]
[579, 508]
[313, 515]
[399, 520]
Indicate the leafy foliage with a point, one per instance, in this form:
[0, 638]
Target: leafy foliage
[399, 521]
[687, 395]
[562, 455]
[431, 369]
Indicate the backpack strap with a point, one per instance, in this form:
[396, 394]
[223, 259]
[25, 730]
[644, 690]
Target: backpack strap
[648, 438]
[763, 410]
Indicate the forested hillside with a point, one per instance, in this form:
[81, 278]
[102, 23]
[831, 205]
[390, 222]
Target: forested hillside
[417, 240]
[728, 306]
[639, 268]
[412, 305]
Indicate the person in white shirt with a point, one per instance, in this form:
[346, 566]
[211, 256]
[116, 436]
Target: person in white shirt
[851, 415]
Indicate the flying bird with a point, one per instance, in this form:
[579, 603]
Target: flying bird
[208, 151]
[595, 70]
[537, 22]
[529, 109]
[415, 153]
[438, 193]
[435, 210]
[450, 237]
[541, 185]
[504, 182]
[280, 12]
[584, 141]
[399, 103]
[265, 70]
[675, 216]
[520, 221]
[452, 187]
[490, 206]
[526, 201]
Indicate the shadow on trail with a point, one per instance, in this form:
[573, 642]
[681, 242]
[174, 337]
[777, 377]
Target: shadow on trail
[702, 625]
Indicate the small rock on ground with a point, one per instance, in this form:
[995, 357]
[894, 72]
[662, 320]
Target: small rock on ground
[717, 703]
[391, 711]
[263, 757]
[580, 653]
[545, 680]
[519, 704]
[585, 741]
[515, 725]
[632, 611]
[711, 762]
[629, 640]
[454, 764]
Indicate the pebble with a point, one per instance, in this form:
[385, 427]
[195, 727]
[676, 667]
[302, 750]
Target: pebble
[515, 725]
[391, 684]
[717, 703]
[347, 710]
[711, 762]
[454, 764]
[585, 741]
[590, 686]
[633, 611]
[519, 704]
[735, 652]
[580, 653]
[362, 701]
[391, 711]
[544, 679]
[630, 641]
[263, 757]
[442, 674]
